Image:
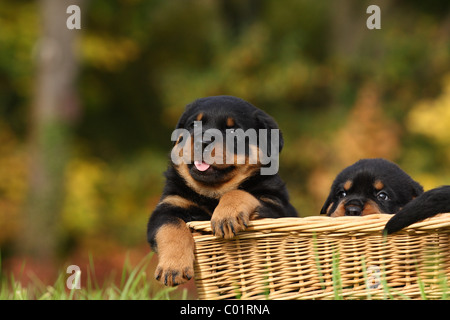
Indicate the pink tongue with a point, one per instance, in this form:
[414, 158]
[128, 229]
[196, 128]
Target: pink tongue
[201, 166]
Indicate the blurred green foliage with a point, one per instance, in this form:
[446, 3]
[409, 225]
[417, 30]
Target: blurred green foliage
[339, 92]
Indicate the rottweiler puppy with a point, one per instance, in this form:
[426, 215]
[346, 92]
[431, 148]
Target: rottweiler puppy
[379, 186]
[203, 184]
[370, 186]
[425, 206]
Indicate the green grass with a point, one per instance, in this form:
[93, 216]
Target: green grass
[134, 284]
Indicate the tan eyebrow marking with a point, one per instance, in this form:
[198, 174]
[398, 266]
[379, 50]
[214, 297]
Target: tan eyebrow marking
[378, 185]
[348, 184]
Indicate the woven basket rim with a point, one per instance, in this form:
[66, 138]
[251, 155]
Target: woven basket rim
[324, 224]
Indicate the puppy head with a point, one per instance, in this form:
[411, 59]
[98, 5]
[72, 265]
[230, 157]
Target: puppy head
[370, 186]
[220, 142]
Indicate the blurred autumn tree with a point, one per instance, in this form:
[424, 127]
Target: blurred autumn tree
[339, 92]
[54, 109]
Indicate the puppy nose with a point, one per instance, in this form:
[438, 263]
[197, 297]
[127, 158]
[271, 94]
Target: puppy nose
[200, 145]
[354, 207]
[353, 211]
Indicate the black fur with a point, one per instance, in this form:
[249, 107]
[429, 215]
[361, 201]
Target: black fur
[270, 190]
[398, 188]
[428, 204]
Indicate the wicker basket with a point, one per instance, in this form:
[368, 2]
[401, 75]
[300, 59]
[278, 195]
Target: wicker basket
[324, 258]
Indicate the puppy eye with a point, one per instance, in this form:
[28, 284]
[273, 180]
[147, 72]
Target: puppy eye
[382, 196]
[341, 194]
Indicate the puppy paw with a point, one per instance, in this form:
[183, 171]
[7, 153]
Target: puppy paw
[227, 221]
[233, 213]
[175, 246]
[175, 272]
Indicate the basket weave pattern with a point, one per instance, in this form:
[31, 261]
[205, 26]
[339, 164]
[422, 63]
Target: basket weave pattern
[324, 258]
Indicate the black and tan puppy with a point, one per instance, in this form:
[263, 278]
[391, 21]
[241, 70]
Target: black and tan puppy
[379, 186]
[228, 194]
[425, 206]
[370, 186]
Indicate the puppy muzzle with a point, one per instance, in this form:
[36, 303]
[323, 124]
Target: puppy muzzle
[200, 145]
[354, 207]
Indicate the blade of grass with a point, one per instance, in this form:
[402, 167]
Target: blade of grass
[317, 260]
[125, 270]
[16, 284]
[366, 279]
[92, 268]
[423, 294]
[337, 285]
[386, 290]
[131, 282]
[77, 280]
[444, 285]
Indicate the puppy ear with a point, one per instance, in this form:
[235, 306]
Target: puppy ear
[264, 121]
[417, 189]
[327, 204]
[182, 121]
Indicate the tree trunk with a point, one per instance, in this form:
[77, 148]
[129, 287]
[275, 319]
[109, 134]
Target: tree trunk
[54, 109]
